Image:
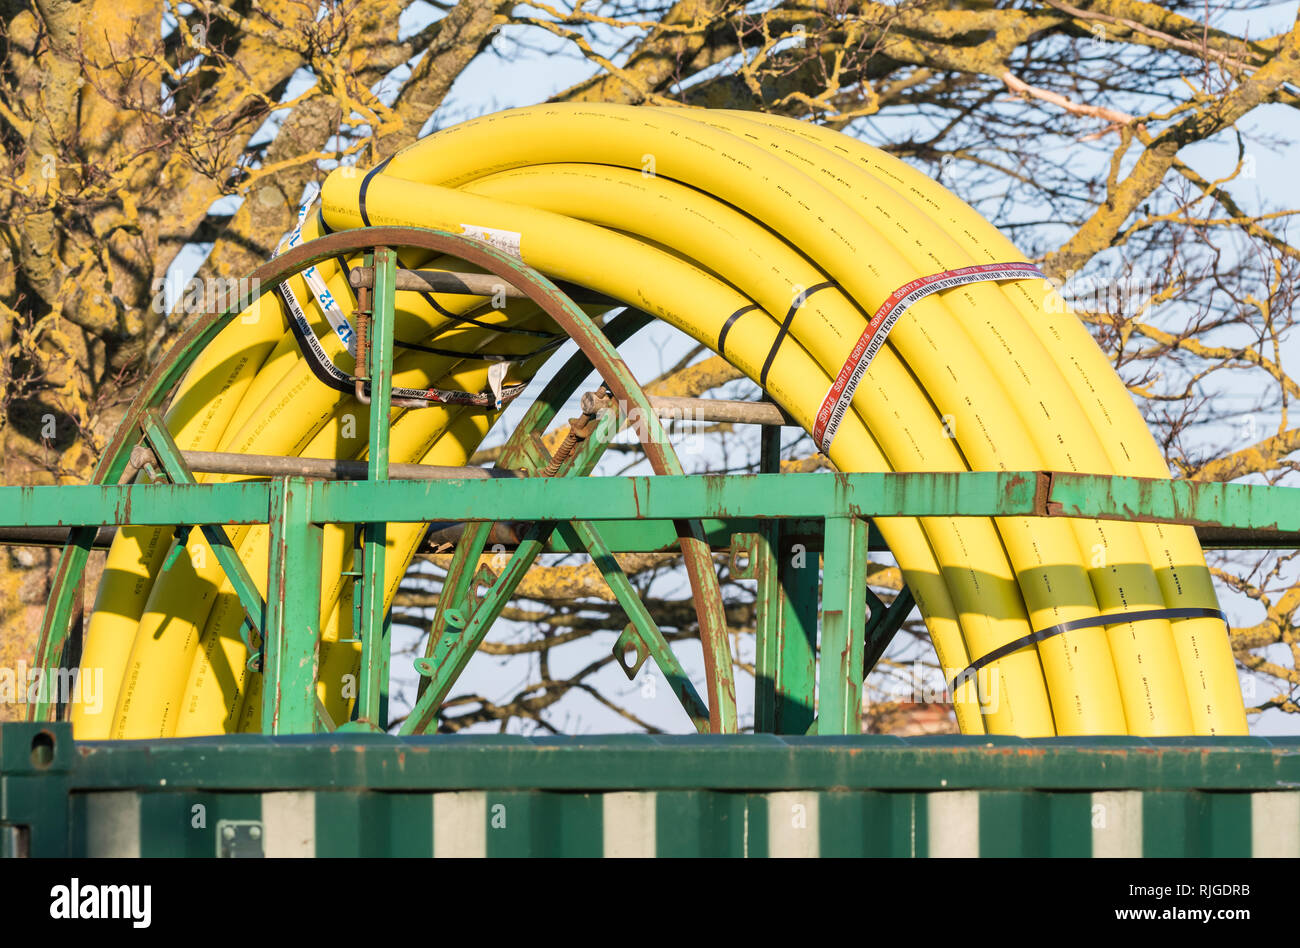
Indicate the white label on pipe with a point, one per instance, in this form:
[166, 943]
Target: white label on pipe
[507, 241]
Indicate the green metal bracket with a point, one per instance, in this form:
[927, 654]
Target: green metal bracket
[36, 764]
[630, 640]
[454, 599]
[355, 574]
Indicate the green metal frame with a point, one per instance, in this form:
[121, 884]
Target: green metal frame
[776, 522]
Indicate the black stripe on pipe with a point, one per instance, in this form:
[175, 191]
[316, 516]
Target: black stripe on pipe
[554, 343]
[1034, 638]
[428, 297]
[471, 321]
[785, 328]
[365, 186]
[726, 327]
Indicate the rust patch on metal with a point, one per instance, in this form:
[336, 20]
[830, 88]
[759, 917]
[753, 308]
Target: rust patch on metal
[1044, 506]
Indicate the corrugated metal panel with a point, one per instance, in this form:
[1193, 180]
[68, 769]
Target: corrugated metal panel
[468, 824]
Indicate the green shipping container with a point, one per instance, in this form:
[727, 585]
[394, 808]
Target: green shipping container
[639, 795]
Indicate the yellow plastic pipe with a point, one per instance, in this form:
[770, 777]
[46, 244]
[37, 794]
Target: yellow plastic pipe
[774, 242]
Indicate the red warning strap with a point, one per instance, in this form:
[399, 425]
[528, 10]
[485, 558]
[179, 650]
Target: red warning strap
[840, 396]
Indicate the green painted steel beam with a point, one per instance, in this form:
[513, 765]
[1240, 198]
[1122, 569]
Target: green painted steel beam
[650, 762]
[761, 544]
[682, 497]
[971, 494]
[140, 504]
[1245, 506]
[844, 615]
[374, 641]
[58, 617]
[763, 568]
[290, 642]
[679, 497]
[799, 600]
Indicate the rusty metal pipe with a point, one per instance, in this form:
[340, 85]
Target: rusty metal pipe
[721, 410]
[51, 537]
[266, 465]
[468, 284]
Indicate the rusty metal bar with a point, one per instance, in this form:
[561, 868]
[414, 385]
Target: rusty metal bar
[455, 283]
[721, 410]
[52, 536]
[268, 465]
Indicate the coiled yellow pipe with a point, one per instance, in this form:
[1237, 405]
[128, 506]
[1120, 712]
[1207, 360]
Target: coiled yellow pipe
[695, 217]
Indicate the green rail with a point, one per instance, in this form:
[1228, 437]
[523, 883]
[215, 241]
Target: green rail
[668, 497]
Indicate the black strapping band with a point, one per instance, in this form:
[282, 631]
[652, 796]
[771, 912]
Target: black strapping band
[471, 321]
[726, 327]
[365, 184]
[1116, 619]
[554, 343]
[785, 328]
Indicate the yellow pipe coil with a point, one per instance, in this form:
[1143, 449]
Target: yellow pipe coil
[695, 216]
